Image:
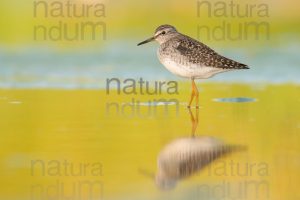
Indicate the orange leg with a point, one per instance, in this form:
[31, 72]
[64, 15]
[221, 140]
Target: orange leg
[192, 97]
[194, 121]
[195, 93]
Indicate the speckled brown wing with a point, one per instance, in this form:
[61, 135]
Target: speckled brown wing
[198, 53]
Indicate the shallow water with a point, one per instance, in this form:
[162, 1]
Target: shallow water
[48, 136]
[89, 68]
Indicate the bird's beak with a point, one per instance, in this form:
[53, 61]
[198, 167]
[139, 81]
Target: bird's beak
[146, 41]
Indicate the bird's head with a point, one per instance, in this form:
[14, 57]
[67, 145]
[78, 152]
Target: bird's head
[162, 34]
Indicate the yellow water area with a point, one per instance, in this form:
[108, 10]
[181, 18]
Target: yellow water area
[73, 143]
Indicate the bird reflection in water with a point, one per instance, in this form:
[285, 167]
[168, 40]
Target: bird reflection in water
[183, 157]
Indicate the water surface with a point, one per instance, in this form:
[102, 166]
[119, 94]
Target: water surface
[51, 127]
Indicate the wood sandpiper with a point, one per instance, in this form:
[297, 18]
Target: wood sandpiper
[189, 58]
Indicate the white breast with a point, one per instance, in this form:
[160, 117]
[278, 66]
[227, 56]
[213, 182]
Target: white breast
[189, 70]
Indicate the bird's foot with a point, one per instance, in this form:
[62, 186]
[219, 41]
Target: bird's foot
[197, 107]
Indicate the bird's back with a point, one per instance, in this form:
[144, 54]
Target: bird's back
[187, 57]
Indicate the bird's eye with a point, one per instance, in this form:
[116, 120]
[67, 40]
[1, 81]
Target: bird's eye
[164, 32]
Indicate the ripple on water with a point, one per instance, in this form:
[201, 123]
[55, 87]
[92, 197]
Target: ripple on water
[235, 100]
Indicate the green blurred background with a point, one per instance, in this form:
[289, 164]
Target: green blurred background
[134, 19]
